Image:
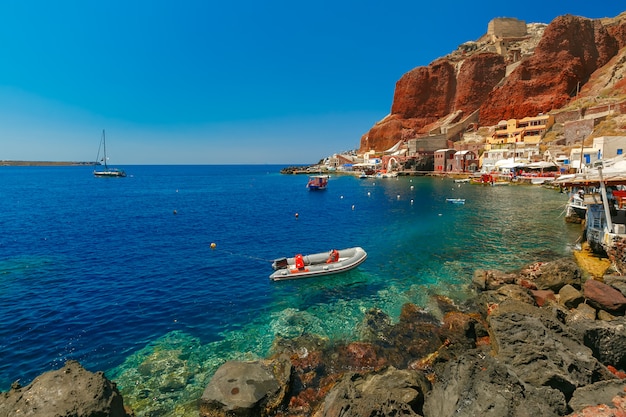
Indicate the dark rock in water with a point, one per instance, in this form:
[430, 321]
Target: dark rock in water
[461, 330]
[69, 391]
[246, 388]
[357, 356]
[476, 384]
[541, 350]
[444, 304]
[390, 393]
[375, 326]
[604, 297]
[414, 336]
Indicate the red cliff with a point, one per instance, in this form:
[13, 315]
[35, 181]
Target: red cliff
[570, 51]
[544, 78]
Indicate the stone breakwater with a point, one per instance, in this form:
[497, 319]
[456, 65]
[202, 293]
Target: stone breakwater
[546, 341]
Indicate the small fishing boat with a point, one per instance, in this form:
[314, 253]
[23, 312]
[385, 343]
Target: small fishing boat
[317, 182]
[318, 264]
[456, 200]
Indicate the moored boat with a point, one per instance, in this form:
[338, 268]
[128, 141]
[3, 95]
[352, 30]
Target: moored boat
[106, 172]
[317, 182]
[605, 218]
[385, 174]
[318, 264]
[456, 200]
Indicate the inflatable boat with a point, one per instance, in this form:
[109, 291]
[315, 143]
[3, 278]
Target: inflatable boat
[317, 264]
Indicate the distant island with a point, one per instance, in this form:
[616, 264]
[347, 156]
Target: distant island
[44, 163]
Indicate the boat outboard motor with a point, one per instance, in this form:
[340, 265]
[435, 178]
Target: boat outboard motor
[280, 263]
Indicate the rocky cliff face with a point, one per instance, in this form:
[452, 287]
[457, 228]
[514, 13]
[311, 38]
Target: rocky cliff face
[568, 54]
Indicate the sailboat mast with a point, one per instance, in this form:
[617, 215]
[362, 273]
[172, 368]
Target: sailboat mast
[104, 147]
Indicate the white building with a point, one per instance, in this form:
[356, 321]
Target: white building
[609, 146]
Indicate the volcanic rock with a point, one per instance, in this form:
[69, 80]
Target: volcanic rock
[389, 393]
[541, 350]
[253, 388]
[601, 392]
[476, 384]
[604, 297]
[69, 391]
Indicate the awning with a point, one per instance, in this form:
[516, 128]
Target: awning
[591, 179]
[509, 163]
[395, 147]
[541, 165]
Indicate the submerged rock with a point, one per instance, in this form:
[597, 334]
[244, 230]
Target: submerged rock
[254, 388]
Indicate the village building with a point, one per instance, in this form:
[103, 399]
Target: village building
[609, 146]
[444, 160]
[526, 131]
[580, 157]
[604, 147]
[516, 139]
[465, 161]
[453, 161]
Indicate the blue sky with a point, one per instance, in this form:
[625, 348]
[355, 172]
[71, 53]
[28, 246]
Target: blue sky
[208, 82]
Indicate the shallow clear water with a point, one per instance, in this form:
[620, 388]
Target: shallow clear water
[111, 271]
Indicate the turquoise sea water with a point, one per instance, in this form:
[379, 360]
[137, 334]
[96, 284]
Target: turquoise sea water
[119, 274]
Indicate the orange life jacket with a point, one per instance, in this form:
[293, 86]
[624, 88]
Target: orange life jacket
[299, 261]
[333, 257]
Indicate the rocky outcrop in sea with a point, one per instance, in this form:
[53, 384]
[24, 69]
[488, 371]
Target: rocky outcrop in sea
[542, 341]
[70, 391]
[547, 340]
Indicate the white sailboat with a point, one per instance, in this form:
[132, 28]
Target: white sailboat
[107, 172]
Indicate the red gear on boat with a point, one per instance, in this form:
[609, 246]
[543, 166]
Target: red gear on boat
[299, 261]
[333, 257]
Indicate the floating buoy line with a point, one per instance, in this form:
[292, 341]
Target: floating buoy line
[213, 246]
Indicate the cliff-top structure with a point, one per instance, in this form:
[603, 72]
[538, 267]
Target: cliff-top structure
[515, 70]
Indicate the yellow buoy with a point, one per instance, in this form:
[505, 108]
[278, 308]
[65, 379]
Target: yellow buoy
[213, 245]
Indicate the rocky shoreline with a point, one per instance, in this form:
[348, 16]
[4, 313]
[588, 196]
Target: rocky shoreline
[548, 340]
